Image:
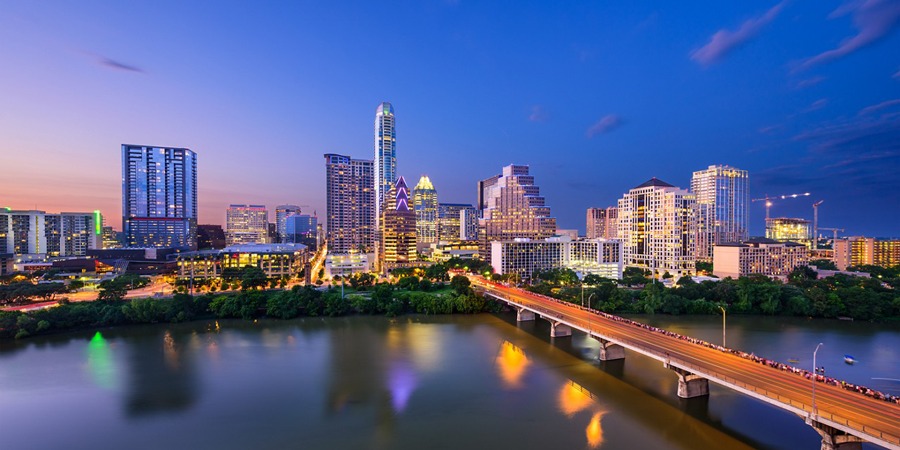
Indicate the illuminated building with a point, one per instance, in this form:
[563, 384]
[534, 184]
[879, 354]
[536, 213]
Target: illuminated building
[784, 229]
[246, 224]
[398, 235]
[721, 208]
[602, 257]
[657, 228]
[302, 229]
[512, 207]
[159, 197]
[350, 204]
[385, 162]
[347, 264]
[861, 251]
[425, 205]
[452, 217]
[110, 238]
[275, 260]
[602, 222]
[282, 212]
[39, 233]
[443, 251]
[210, 236]
[7, 261]
[758, 256]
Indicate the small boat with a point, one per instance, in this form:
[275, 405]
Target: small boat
[849, 359]
[793, 360]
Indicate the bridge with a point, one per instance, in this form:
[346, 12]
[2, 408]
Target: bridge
[843, 418]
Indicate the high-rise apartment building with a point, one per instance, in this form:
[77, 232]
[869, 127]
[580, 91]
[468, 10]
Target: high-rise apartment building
[246, 224]
[451, 221]
[425, 204]
[350, 204]
[159, 197]
[862, 251]
[385, 162]
[40, 233]
[468, 224]
[721, 208]
[602, 222]
[282, 212]
[657, 228]
[512, 207]
[398, 235]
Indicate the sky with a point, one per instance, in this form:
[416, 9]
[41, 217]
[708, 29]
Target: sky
[596, 97]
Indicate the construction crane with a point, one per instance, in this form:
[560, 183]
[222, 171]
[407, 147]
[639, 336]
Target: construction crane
[835, 230]
[768, 200]
[816, 222]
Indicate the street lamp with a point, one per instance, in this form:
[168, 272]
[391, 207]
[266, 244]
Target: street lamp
[813, 412]
[589, 298]
[723, 325]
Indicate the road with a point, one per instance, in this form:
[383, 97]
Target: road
[877, 421]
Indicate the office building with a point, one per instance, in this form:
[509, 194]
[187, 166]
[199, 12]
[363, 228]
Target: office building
[246, 224]
[210, 237]
[159, 197]
[7, 262]
[524, 257]
[468, 224]
[602, 222]
[282, 212]
[657, 228]
[512, 207]
[398, 234]
[786, 229]
[425, 205]
[451, 220]
[302, 229]
[862, 251]
[350, 204]
[758, 256]
[722, 197]
[110, 238]
[277, 261]
[385, 162]
[49, 235]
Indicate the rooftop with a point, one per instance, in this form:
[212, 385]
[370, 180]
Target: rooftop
[653, 182]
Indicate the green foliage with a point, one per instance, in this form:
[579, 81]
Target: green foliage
[252, 277]
[823, 264]
[460, 284]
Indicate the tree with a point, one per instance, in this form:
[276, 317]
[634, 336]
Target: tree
[704, 267]
[112, 290]
[252, 277]
[460, 284]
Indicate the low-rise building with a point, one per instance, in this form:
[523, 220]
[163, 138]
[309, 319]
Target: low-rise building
[348, 263]
[275, 260]
[758, 256]
[602, 257]
[862, 251]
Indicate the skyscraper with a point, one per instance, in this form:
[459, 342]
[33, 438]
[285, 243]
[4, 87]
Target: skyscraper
[282, 212]
[159, 197]
[398, 236]
[425, 204]
[721, 208]
[602, 222]
[350, 204]
[451, 222]
[246, 224]
[512, 207]
[657, 228]
[385, 155]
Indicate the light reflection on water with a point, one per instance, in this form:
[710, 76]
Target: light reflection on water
[511, 362]
[100, 363]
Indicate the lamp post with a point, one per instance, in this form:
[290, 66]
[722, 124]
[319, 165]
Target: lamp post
[813, 411]
[723, 325]
[589, 298]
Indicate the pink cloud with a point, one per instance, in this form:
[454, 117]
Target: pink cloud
[724, 41]
[874, 19]
[606, 124]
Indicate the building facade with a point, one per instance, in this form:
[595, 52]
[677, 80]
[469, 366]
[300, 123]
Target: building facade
[385, 162]
[39, 233]
[468, 224]
[275, 260]
[398, 235]
[110, 238]
[350, 204]
[302, 229]
[657, 228]
[524, 257]
[512, 207]
[425, 205]
[722, 198]
[758, 256]
[602, 222]
[862, 251]
[452, 220]
[786, 229]
[282, 212]
[159, 197]
[246, 224]
[210, 237]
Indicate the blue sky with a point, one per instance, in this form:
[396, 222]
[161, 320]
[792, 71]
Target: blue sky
[596, 97]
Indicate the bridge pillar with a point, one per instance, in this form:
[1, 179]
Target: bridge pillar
[834, 439]
[558, 329]
[524, 315]
[610, 351]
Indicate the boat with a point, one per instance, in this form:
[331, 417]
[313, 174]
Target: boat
[793, 360]
[849, 359]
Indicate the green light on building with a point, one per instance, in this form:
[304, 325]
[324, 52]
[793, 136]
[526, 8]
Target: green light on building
[98, 222]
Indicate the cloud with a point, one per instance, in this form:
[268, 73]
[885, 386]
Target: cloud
[809, 82]
[897, 75]
[885, 104]
[117, 65]
[816, 105]
[608, 123]
[724, 41]
[770, 128]
[873, 19]
[538, 114]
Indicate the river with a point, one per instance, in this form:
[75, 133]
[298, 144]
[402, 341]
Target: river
[413, 382]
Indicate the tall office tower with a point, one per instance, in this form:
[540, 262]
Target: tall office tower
[398, 236]
[450, 221]
[512, 207]
[425, 204]
[302, 229]
[159, 197]
[468, 224]
[657, 228]
[602, 222]
[721, 208]
[350, 204]
[40, 233]
[385, 156]
[246, 224]
[282, 212]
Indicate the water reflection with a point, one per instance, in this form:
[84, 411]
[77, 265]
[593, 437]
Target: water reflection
[162, 377]
[594, 431]
[99, 362]
[512, 362]
[573, 399]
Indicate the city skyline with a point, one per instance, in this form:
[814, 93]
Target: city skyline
[814, 113]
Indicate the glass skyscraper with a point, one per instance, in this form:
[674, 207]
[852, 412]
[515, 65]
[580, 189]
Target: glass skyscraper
[721, 208]
[350, 204]
[159, 197]
[425, 204]
[385, 155]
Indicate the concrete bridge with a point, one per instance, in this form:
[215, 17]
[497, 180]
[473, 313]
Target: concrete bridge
[842, 417]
